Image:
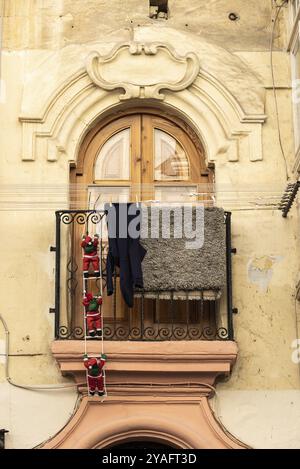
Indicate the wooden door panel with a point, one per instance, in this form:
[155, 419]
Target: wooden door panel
[141, 185]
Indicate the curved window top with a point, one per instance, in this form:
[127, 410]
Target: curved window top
[170, 160]
[113, 160]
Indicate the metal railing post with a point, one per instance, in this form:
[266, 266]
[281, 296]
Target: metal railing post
[57, 276]
[229, 276]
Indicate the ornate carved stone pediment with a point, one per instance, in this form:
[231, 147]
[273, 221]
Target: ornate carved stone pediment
[143, 70]
[227, 112]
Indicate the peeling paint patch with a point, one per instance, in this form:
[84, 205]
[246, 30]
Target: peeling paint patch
[260, 270]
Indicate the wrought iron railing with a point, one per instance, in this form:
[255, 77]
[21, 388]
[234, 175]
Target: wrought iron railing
[151, 319]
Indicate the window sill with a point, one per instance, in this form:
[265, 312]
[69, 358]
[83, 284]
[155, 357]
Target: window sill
[148, 364]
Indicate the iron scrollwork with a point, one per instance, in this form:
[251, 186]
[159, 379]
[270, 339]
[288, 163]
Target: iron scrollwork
[201, 328]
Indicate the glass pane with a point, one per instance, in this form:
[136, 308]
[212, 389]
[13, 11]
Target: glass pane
[170, 160]
[99, 196]
[181, 311]
[113, 160]
[183, 194]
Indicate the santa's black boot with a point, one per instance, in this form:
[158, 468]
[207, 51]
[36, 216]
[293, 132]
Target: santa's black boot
[99, 332]
[91, 393]
[101, 393]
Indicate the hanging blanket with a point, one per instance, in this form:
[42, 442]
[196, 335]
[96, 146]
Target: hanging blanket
[169, 266]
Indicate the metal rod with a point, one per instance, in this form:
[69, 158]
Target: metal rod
[172, 312]
[129, 318]
[187, 312]
[57, 276]
[289, 199]
[157, 313]
[142, 316]
[202, 318]
[83, 211]
[229, 275]
[115, 300]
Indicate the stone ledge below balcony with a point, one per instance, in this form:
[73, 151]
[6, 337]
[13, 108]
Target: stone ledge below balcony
[140, 366]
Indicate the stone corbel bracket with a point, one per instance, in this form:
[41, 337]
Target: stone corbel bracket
[143, 70]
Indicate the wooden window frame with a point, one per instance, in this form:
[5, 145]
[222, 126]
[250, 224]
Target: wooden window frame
[83, 172]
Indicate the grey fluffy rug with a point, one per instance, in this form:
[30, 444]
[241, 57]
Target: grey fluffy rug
[168, 265]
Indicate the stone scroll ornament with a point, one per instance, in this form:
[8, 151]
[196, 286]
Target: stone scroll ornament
[143, 70]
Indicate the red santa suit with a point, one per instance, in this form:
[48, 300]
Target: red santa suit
[93, 314]
[90, 255]
[95, 373]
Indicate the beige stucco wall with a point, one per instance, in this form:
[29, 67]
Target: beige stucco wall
[265, 385]
[52, 24]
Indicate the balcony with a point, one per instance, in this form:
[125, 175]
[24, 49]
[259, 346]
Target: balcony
[164, 355]
[180, 316]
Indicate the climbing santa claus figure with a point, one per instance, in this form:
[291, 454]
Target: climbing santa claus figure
[95, 377]
[90, 255]
[93, 316]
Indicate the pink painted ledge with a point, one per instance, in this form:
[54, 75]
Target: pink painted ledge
[157, 391]
[151, 363]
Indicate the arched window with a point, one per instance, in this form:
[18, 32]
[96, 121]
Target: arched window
[144, 156]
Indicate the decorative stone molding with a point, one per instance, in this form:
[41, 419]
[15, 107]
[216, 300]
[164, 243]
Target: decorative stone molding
[157, 391]
[143, 70]
[147, 363]
[177, 422]
[69, 104]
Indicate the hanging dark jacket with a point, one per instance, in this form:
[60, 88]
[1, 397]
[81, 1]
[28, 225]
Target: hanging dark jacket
[124, 251]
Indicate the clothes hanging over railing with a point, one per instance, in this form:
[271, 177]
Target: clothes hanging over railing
[175, 264]
[124, 249]
[169, 249]
[151, 318]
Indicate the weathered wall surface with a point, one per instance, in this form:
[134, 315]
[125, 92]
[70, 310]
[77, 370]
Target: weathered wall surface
[46, 24]
[265, 269]
[264, 419]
